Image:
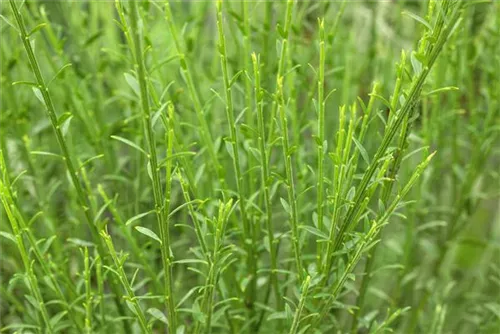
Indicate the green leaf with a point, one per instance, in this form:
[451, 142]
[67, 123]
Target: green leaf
[229, 148]
[281, 31]
[277, 315]
[64, 121]
[416, 64]
[8, 236]
[20, 326]
[418, 19]
[286, 206]
[37, 28]
[93, 38]
[132, 82]
[157, 314]
[38, 94]
[9, 22]
[80, 242]
[150, 171]
[55, 319]
[130, 306]
[32, 301]
[50, 154]
[137, 217]
[174, 156]
[63, 118]
[441, 90]
[129, 143]
[383, 99]
[314, 231]
[46, 245]
[191, 261]
[362, 150]
[61, 70]
[148, 232]
[89, 160]
[28, 83]
[235, 77]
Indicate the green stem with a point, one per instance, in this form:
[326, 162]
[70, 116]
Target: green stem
[193, 92]
[367, 241]
[248, 229]
[7, 202]
[132, 242]
[391, 130]
[266, 179]
[298, 312]
[161, 208]
[281, 66]
[290, 183]
[67, 158]
[88, 292]
[131, 298]
[321, 136]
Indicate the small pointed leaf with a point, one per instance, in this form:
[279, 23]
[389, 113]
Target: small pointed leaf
[147, 232]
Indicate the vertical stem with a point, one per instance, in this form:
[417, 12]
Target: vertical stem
[249, 119]
[160, 206]
[100, 291]
[88, 291]
[132, 242]
[321, 134]
[214, 268]
[290, 183]
[298, 312]
[248, 230]
[265, 178]
[131, 298]
[281, 64]
[67, 158]
[188, 77]
[7, 202]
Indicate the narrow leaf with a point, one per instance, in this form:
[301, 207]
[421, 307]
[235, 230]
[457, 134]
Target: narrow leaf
[129, 143]
[38, 94]
[148, 232]
[418, 19]
[157, 314]
[137, 217]
[286, 206]
[132, 82]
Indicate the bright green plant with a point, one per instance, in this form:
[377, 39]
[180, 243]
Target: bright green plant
[250, 167]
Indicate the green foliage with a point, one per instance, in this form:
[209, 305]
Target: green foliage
[244, 167]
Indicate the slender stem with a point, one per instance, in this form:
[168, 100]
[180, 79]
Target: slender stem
[401, 147]
[161, 208]
[385, 197]
[281, 65]
[193, 92]
[248, 229]
[368, 239]
[265, 179]
[249, 119]
[214, 268]
[391, 130]
[196, 222]
[100, 291]
[298, 312]
[122, 275]
[321, 135]
[88, 291]
[67, 158]
[290, 183]
[18, 235]
[132, 242]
